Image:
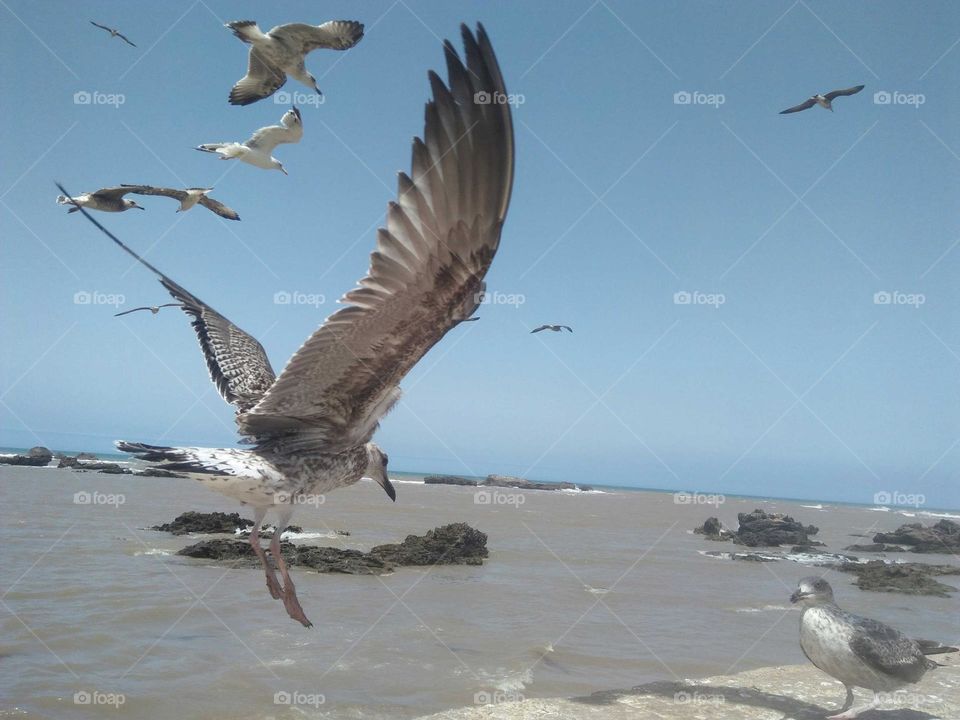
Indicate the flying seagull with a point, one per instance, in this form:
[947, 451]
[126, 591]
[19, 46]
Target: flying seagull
[152, 308]
[188, 198]
[554, 328]
[311, 426]
[824, 101]
[257, 149]
[281, 52]
[858, 651]
[114, 33]
[106, 199]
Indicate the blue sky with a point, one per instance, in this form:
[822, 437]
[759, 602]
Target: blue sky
[798, 384]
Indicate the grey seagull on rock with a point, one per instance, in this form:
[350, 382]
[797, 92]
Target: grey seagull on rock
[281, 51]
[311, 426]
[825, 100]
[858, 651]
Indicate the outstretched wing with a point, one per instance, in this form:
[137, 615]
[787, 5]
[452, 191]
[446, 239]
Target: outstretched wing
[333, 35]
[849, 91]
[536, 330]
[218, 207]
[426, 273]
[112, 193]
[290, 130]
[150, 190]
[802, 106]
[262, 80]
[238, 365]
[126, 39]
[102, 27]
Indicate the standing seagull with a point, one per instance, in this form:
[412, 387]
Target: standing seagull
[105, 199]
[114, 33]
[858, 651]
[281, 52]
[152, 308]
[554, 328]
[257, 149]
[311, 426]
[188, 198]
[824, 101]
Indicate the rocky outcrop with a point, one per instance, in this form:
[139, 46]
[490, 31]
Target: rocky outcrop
[159, 473]
[943, 537]
[267, 532]
[875, 547]
[204, 523]
[448, 480]
[37, 457]
[456, 544]
[907, 578]
[713, 529]
[507, 481]
[761, 529]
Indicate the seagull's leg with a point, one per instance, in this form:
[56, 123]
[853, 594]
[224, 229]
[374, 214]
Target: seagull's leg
[290, 601]
[854, 712]
[848, 702]
[272, 585]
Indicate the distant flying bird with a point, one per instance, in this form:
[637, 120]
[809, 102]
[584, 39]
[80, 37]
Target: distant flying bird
[858, 651]
[105, 199]
[824, 101]
[311, 427]
[113, 33]
[554, 328]
[256, 151]
[188, 198]
[152, 308]
[281, 52]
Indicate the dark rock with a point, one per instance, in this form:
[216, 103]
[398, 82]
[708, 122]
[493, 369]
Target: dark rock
[197, 522]
[908, 578]
[455, 544]
[67, 462]
[506, 481]
[713, 529]
[943, 537]
[337, 560]
[760, 529]
[343, 532]
[108, 468]
[37, 457]
[448, 480]
[159, 472]
[87, 456]
[875, 547]
[745, 556]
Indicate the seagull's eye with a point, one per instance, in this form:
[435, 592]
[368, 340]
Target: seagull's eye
[385, 458]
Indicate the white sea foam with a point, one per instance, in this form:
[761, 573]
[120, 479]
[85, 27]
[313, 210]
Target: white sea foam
[880, 508]
[153, 551]
[813, 507]
[930, 513]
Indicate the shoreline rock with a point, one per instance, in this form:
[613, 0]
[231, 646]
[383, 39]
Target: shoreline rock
[448, 480]
[713, 529]
[38, 456]
[761, 529]
[906, 578]
[942, 537]
[204, 523]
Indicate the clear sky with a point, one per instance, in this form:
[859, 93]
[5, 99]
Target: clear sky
[782, 376]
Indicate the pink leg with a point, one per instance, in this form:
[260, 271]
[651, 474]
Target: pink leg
[290, 601]
[272, 585]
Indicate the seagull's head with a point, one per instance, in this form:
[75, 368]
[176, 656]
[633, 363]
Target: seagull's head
[128, 204]
[377, 469]
[812, 591]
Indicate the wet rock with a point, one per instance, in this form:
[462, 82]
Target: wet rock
[448, 480]
[159, 472]
[198, 522]
[67, 462]
[761, 529]
[267, 532]
[455, 544]
[507, 481]
[943, 537]
[87, 456]
[875, 547]
[745, 556]
[907, 578]
[36, 457]
[713, 529]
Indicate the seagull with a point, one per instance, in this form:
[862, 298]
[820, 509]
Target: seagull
[114, 33]
[152, 308]
[554, 328]
[858, 651]
[188, 198]
[106, 199]
[824, 101]
[311, 426]
[257, 149]
[281, 52]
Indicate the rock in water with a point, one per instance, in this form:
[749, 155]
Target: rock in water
[760, 529]
[448, 480]
[943, 537]
[456, 544]
[37, 457]
[907, 578]
[713, 529]
[197, 522]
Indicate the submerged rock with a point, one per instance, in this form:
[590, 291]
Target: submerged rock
[875, 547]
[943, 537]
[198, 522]
[38, 456]
[907, 578]
[713, 529]
[761, 529]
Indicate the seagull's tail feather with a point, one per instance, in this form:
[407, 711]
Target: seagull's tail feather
[227, 150]
[932, 647]
[246, 30]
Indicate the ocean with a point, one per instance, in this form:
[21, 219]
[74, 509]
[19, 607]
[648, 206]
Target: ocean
[583, 591]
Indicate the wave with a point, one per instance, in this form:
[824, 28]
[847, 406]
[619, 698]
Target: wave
[813, 507]
[765, 608]
[930, 513]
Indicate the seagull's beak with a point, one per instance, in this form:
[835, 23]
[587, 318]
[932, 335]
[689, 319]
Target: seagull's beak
[384, 482]
[797, 596]
[283, 170]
